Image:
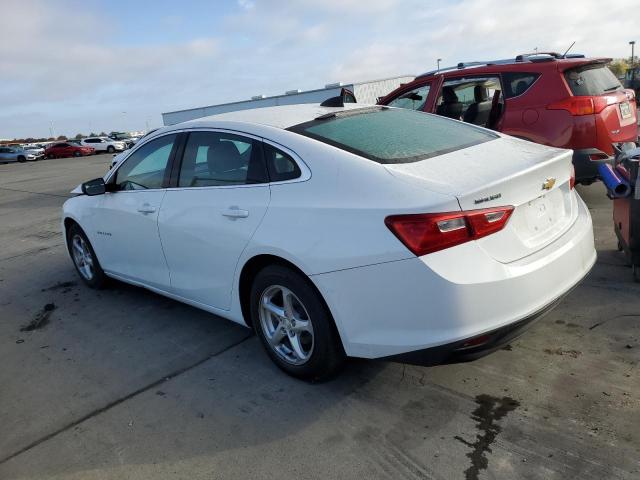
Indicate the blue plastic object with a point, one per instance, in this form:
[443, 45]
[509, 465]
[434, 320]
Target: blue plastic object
[618, 187]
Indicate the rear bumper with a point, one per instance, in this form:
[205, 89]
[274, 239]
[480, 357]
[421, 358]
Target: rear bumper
[440, 301]
[586, 168]
[472, 348]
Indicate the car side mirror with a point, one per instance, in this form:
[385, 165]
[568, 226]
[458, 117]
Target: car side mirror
[94, 187]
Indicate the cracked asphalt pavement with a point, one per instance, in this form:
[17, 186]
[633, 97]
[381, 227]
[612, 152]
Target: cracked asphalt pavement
[123, 383]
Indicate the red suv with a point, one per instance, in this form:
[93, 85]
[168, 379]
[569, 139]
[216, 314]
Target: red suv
[65, 149]
[566, 101]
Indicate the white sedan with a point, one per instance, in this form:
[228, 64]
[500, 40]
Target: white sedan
[358, 231]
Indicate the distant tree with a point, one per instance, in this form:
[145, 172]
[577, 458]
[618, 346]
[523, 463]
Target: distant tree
[51, 139]
[78, 136]
[619, 67]
[61, 138]
[93, 134]
[103, 134]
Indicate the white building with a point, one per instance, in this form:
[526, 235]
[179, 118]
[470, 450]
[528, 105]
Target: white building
[365, 92]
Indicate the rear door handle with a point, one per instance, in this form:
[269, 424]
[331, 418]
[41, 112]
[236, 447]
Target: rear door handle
[146, 208]
[235, 212]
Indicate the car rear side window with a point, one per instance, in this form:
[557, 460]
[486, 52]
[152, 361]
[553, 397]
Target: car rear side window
[280, 165]
[593, 79]
[214, 159]
[515, 84]
[393, 135]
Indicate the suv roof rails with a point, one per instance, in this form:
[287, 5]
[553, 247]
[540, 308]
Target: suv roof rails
[522, 58]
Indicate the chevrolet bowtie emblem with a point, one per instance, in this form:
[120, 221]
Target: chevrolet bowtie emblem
[548, 183]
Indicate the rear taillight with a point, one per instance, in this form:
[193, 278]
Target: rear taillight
[583, 105]
[572, 178]
[424, 233]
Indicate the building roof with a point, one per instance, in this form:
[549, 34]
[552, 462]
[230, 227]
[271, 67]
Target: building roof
[284, 116]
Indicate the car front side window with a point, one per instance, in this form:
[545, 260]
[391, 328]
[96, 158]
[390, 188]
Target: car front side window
[413, 99]
[213, 159]
[145, 168]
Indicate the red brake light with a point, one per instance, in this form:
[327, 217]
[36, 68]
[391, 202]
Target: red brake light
[572, 178]
[424, 233]
[583, 105]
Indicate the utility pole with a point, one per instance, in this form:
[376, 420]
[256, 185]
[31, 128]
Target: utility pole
[438, 61]
[633, 63]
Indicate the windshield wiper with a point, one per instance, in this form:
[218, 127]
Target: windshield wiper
[614, 87]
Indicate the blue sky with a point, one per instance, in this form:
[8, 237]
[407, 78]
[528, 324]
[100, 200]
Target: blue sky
[73, 66]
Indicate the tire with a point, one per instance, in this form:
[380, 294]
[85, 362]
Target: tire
[307, 323]
[22, 159]
[110, 149]
[84, 258]
[50, 156]
[77, 154]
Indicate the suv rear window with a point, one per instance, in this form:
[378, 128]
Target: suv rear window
[594, 79]
[393, 135]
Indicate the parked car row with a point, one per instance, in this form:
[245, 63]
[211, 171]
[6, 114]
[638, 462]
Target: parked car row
[116, 143]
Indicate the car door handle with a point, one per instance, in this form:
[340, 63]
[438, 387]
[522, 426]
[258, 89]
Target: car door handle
[235, 212]
[146, 208]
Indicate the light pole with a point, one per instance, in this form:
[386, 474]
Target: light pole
[439, 60]
[633, 70]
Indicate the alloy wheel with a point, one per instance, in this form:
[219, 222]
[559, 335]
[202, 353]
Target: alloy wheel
[82, 257]
[286, 325]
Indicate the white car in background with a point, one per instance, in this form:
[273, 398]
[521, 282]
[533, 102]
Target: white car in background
[358, 231]
[103, 144]
[37, 151]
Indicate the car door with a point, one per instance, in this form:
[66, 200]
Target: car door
[5, 155]
[220, 197]
[126, 217]
[413, 99]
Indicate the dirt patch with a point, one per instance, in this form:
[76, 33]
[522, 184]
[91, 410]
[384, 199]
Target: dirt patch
[561, 352]
[489, 411]
[41, 318]
[64, 286]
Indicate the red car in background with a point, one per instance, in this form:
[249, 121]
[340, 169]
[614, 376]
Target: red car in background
[64, 149]
[566, 101]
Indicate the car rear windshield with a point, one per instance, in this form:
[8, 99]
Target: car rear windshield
[593, 79]
[393, 135]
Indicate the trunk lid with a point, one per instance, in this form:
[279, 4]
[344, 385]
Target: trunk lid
[506, 171]
[619, 117]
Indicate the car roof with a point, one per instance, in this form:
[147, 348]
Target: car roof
[560, 64]
[283, 116]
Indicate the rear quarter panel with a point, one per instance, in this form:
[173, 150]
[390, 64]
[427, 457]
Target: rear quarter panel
[335, 220]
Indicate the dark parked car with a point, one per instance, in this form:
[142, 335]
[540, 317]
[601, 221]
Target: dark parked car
[67, 149]
[566, 101]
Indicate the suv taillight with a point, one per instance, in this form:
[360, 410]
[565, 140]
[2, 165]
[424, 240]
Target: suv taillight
[424, 233]
[582, 105]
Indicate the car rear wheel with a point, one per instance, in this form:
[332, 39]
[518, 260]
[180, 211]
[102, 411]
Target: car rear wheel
[22, 159]
[84, 258]
[110, 149]
[294, 325]
[50, 156]
[77, 153]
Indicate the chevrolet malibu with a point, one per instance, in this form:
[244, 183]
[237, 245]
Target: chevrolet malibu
[362, 231]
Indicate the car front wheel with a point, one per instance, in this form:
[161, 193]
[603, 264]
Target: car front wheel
[84, 258]
[110, 149]
[294, 325]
